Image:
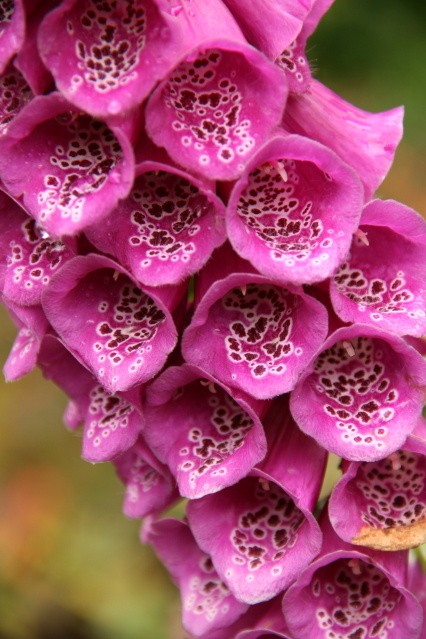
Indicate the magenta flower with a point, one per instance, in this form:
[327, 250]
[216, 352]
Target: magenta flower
[15, 93]
[362, 395]
[123, 334]
[382, 280]
[252, 333]
[207, 603]
[351, 594]
[166, 229]
[260, 533]
[382, 504]
[12, 30]
[205, 112]
[83, 167]
[366, 141]
[106, 58]
[150, 487]
[209, 436]
[294, 210]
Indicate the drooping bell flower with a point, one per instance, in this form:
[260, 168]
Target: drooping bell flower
[206, 111]
[382, 280]
[12, 30]
[251, 332]
[111, 422]
[209, 436]
[150, 487]
[106, 57]
[28, 59]
[292, 57]
[15, 93]
[349, 593]
[382, 504]
[366, 141]
[260, 532]
[294, 210]
[362, 394]
[82, 168]
[166, 229]
[31, 256]
[270, 25]
[123, 334]
[207, 603]
[417, 585]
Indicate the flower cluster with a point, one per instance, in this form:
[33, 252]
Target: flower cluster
[190, 249]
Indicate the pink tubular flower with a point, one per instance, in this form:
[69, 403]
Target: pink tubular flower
[294, 210]
[362, 395]
[350, 594]
[209, 436]
[166, 229]
[382, 280]
[261, 532]
[15, 93]
[251, 332]
[12, 30]
[366, 141]
[207, 603]
[107, 56]
[150, 487]
[82, 167]
[122, 333]
[205, 112]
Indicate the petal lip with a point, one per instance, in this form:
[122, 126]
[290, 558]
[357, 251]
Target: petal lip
[269, 84]
[402, 424]
[214, 359]
[342, 215]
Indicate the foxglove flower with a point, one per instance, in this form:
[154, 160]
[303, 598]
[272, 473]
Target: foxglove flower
[107, 56]
[382, 504]
[205, 112]
[366, 141]
[15, 93]
[150, 487]
[362, 395]
[166, 229]
[382, 280]
[82, 167]
[251, 332]
[207, 603]
[260, 533]
[351, 594]
[294, 210]
[123, 334]
[12, 30]
[209, 436]
[111, 422]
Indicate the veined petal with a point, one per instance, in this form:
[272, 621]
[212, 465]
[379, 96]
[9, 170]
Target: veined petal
[122, 333]
[207, 603]
[83, 167]
[294, 209]
[209, 436]
[382, 280]
[366, 141]
[362, 395]
[253, 333]
[107, 56]
[166, 229]
[260, 533]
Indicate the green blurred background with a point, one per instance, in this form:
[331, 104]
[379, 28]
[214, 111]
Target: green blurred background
[71, 566]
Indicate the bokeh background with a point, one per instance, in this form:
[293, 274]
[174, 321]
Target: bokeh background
[71, 566]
